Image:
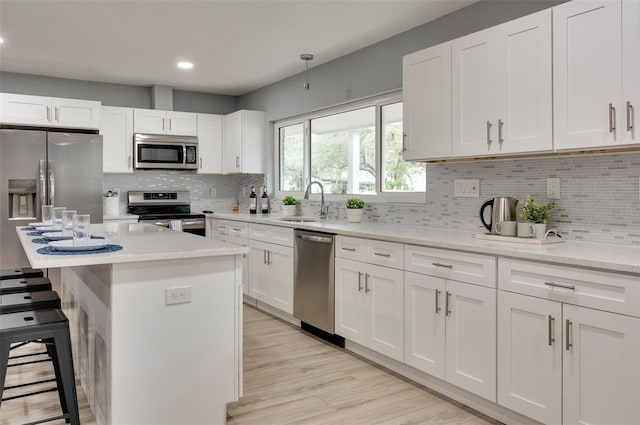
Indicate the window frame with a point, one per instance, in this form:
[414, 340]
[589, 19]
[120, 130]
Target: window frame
[305, 119]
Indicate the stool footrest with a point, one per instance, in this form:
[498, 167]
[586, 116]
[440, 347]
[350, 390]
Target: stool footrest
[55, 418]
[33, 362]
[48, 390]
[10, 387]
[21, 356]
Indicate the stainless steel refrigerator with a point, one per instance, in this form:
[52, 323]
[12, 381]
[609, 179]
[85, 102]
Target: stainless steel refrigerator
[40, 167]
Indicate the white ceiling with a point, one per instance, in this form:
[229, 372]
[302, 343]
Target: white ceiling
[236, 46]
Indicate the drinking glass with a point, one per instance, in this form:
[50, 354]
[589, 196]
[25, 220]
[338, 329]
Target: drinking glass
[57, 217]
[81, 235]
[47, 214]
[67, 222]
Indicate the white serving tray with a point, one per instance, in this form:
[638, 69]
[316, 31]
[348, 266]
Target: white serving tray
[514, 239]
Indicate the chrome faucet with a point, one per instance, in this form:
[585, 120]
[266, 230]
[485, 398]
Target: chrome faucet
[324, 209]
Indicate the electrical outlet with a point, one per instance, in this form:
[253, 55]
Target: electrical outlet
[178, 295]
[117, 190]
[553, 188]
[213, 191]
[466, 188]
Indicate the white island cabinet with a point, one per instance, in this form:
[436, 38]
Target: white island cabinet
[132, 342]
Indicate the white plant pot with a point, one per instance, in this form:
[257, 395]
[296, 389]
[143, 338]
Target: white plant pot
[112, 205]
[289, 210]
[541, 229]
[354, 215]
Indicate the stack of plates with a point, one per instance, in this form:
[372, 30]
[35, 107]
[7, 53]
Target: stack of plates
[67, 245]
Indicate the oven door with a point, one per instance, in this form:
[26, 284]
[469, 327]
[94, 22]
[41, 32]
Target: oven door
[194, 226]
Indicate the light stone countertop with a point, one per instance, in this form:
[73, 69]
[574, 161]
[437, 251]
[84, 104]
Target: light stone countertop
[618, 258]
[140, 242]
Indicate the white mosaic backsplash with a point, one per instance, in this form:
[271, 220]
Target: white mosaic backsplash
[599, 194]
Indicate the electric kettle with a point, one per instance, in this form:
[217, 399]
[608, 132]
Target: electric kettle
[502, 209]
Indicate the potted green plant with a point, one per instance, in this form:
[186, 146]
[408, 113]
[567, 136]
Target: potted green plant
[289, 204]
[354, 210]
[535, 212]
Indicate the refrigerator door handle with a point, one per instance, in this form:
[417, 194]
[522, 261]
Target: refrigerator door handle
[42, 184]
[52, 184]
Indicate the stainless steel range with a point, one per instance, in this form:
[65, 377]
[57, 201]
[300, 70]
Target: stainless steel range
[166, 209]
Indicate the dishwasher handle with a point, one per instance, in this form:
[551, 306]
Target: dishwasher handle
[319, 239]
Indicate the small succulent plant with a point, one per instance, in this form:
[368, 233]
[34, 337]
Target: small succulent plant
[355, 203]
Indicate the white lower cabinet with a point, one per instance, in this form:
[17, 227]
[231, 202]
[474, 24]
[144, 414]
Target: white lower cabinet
[559, 362]
[369, 306]
[271, 274]
[450, 332]
[530, 356]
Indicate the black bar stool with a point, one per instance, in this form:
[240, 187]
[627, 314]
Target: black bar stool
[24, 284]
[52, 327]
[28, 301]
[20, 272]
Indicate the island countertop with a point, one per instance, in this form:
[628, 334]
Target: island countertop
[140, 242]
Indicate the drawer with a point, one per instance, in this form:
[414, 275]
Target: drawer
[350, 248]
[238, 229]
[387, 254]
[614, 292]
[220, 226]
[271, 234]
[455, 265]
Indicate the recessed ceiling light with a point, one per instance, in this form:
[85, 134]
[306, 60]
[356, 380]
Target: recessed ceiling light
[185, 65]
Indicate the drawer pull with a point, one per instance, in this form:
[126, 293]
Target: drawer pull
[437, 301]
[552, 338]
[379, 254]
[560, 285]
[567, 333]
[359, 281]
[348, 249]
[236, 229]
[448, 266]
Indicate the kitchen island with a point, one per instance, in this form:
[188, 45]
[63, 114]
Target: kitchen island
[156, 327]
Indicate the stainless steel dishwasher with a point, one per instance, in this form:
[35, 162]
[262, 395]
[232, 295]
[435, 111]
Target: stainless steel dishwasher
[313, 291]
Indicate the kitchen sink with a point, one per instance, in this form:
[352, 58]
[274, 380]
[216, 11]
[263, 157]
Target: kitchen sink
[296, 219]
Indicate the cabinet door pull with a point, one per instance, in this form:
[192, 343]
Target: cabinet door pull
[437, 301]
[366, 283]
[552, 338]
[269, 257]
[170, 124]
[237, 161]
[359, 281]
[404, 138]
[129, 161]
[630, 113]
[201, 163]
[567, 334]
[489, 141]
[264, 256]
[348, 249]
[48, 113]
[55, 110]
[448, 266]
[560, 285]
[379, 254]
[500, 124]
[162, 124]
[612, 118]
[446, 304]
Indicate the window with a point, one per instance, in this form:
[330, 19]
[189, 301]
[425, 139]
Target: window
[292, 158]
[343, 152]
[354, 149]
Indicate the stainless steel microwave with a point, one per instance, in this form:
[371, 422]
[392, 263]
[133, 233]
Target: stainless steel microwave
[159, 151]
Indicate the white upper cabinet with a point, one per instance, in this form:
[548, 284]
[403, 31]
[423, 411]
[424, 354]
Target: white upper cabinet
[502, 88]
[243, 142]
[210, 144]
[588, 100]
[631, 70]
[116, 128]
[49, 111]
[426, 80]
[156, 121]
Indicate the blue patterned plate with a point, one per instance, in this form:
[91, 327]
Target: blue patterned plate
[48, 229]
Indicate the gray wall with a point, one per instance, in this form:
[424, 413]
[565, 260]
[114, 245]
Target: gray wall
[113, 94]
[375, 69]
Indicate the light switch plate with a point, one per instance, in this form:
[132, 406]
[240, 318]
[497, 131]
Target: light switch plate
[466, 188]
[553, 188]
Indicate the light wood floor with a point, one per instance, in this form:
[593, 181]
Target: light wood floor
[289, 378]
